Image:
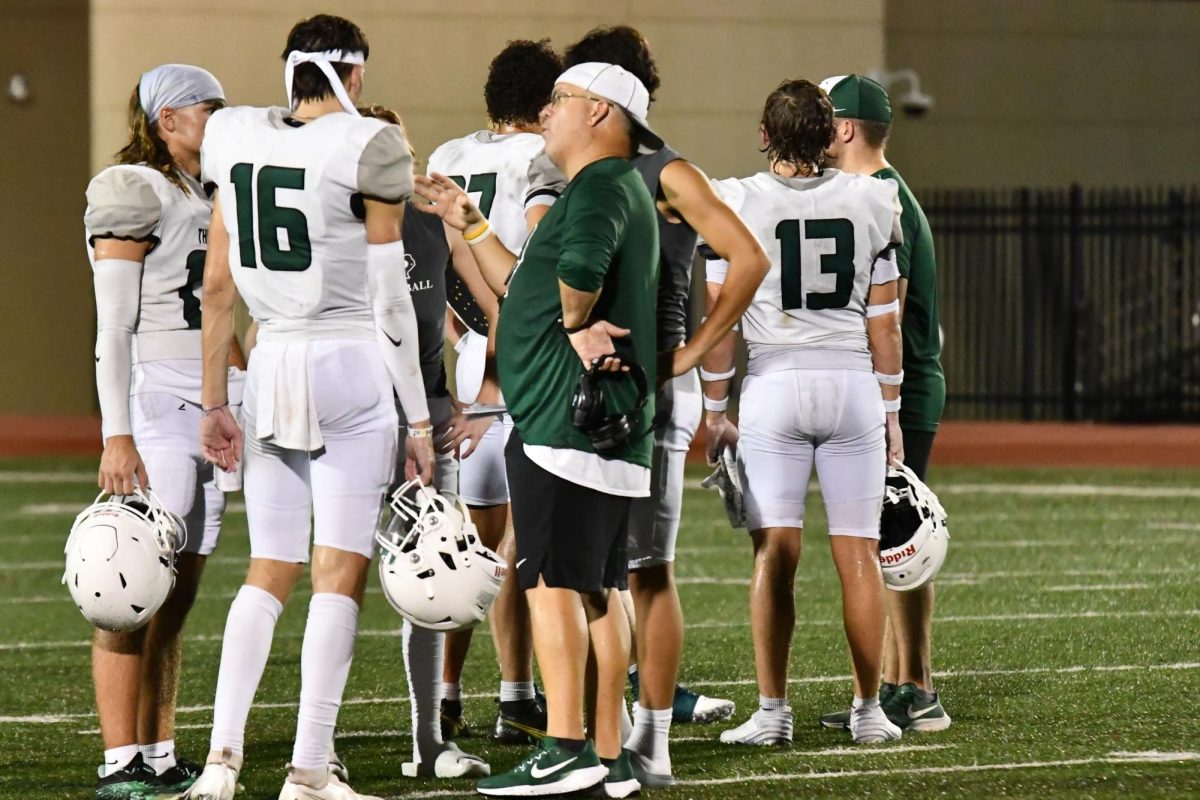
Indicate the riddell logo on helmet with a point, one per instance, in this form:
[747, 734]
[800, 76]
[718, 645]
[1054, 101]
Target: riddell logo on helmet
[887, 559]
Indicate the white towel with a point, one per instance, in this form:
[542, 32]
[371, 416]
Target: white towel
[286, 414]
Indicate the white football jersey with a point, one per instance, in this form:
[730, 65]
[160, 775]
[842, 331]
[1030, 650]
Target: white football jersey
[828, 237]
[495, 170]
[297, 248]
[139, 203]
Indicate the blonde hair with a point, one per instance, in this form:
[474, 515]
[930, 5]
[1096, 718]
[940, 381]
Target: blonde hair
[146, 146]
[385, 114]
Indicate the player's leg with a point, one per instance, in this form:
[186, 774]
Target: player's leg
[349, 477]
[116, 671]
[278, 514]
[774, 461]
[170, 448]
[851, 466]
[915, 704]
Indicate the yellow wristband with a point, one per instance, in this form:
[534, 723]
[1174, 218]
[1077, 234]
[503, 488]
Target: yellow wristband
[479, 234]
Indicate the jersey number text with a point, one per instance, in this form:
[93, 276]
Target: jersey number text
[840, 262]
[484, 183]
[271, 219]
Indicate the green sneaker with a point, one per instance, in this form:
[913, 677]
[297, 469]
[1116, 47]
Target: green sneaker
[135, 782]
[179, 778]
[688, 706]
[621, 780]
[840, 720]
[549, 769]
[913, 709]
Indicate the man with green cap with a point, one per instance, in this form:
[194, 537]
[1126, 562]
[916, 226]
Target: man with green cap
[862, 122]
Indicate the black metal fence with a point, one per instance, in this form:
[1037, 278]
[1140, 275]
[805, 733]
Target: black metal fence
[1070, 304]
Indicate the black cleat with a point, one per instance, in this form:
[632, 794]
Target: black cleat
[520, 722]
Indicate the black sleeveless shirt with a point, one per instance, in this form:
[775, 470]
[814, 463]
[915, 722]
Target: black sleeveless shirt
[676, 247]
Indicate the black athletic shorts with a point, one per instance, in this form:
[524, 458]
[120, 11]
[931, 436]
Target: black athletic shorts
[570, 536]
[917, 447]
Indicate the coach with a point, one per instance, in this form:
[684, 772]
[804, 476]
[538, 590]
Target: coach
[588, 272]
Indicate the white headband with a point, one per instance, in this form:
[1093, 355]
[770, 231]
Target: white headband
[176, 86]
[324, 61]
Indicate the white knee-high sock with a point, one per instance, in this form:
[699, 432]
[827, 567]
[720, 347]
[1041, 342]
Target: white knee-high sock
[245, 647]
[324, 666]
[423, 663]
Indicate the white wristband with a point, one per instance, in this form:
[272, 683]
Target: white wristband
[891, 406]
[716, 405]
[705, 375]
[890, 380]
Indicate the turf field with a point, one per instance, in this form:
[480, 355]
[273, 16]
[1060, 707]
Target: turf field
[1067, 652]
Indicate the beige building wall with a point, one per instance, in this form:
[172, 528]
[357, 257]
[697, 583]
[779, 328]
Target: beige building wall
[718, 60]
[1049, 92]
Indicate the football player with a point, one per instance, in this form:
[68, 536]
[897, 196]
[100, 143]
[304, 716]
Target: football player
[863, 117]
[147, 224]
[686, 204]
[499, 167]
[823, 332]
[337, 336]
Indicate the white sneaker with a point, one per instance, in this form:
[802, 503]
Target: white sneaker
[871, 726]
[338, 768]
[300, 785]
[451, 762]
[218, 780]
[763, 727]
[712, 709]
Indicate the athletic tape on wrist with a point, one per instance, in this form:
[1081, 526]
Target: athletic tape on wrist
[716, 405]
[890, 380]
[891, 405]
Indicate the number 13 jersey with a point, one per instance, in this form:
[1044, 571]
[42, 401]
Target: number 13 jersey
[829, 238]
[288, 193]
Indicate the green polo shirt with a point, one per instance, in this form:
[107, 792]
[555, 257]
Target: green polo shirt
[923, 395]
[601, 235]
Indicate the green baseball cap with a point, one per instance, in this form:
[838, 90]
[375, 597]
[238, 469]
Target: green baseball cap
[858, 97]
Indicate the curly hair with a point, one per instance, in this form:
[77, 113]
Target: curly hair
[317, 35]
[620, 45]
[520, 80]
[798, 122]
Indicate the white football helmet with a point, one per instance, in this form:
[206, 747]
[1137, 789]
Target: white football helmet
[912, 529]
[433, 568]
[121, 559]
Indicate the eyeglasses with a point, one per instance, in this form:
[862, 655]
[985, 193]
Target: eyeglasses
[557, 97]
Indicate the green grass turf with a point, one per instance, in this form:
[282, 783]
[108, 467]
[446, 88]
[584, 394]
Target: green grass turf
[1023, 691]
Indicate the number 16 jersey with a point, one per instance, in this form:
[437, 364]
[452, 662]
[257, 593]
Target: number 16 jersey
[829, 238]
[288, 194]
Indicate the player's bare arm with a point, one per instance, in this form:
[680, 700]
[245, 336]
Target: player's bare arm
[461, 434]
[718, 361]
[220, 436]
[689, 194]
[446, 199]
[121, 464]
[883, 336]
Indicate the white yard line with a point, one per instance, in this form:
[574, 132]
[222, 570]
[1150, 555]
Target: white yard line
[1176, 526]
[49, 719]
[370, 633]
[1115, 759]
[977, 673]
[1041, 489]
[1093, 587]
[17, 476]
